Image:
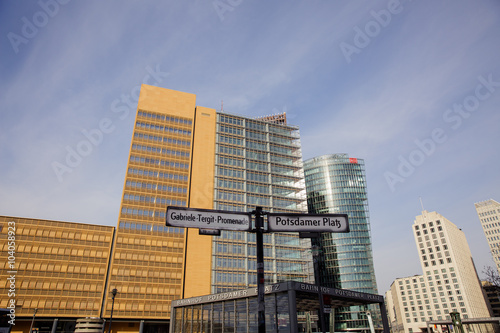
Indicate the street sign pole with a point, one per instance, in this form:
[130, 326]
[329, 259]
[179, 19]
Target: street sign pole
[259, 226]
[321, 312]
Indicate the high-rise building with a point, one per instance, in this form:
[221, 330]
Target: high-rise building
[186, 155]
[258, 163]
[336, 184]
[489, 214]
[449, 283]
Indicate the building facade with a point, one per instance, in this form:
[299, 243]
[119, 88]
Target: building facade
[55, 269]
[258, 163]
[336, 184]
[489, 214]
[449, 282]
[190, 156]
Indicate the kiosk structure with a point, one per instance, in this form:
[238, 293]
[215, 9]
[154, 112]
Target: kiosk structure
[288, 305]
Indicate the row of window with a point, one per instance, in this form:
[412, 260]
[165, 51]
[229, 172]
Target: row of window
[255, 166]
[336, 168]
[166, 243]
[149, 227]
[143, 212]
[168, 129]
[153, 161]
[228, 262]
[230, 161]
[490, 219]
[229, 150]
[221, 277]
[162, 117]
[257, 145]
[230, 120]
[251, 145]
[492, 225]
[58, 250]
[163, 139]
[154, 200]
[62, 235]
[231, 184]
[159, 150]
[441, 262]
[490, 212]
[156, 174]
[438, 222]
[256, 135]
[230, 196]
[492, 239]
[258, 200]
[231, 130]
[230, 140]
[158, 187]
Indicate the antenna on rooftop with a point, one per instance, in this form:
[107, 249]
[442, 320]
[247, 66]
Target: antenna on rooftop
[222, 105]
[423, 210]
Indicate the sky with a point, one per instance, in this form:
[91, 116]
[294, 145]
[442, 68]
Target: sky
[412, 87]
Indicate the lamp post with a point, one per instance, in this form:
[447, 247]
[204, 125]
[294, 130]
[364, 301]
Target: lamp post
[113, 292]
[33, 320]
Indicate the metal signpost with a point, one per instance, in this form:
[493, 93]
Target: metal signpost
[211, 222]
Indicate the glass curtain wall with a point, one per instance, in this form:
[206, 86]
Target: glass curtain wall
[336, 184]
[258, 163]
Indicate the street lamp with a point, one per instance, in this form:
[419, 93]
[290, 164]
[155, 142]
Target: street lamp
[33, 320]
[113, 292]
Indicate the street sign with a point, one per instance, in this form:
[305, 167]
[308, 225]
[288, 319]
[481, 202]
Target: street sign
[207, 219]
[279, 222]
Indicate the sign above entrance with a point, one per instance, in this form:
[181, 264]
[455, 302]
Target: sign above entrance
[208, 219]
[307, 223]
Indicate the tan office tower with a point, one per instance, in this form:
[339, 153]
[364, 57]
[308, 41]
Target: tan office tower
[449, 283]
[489, 214]
[171, 160]
[186, 155]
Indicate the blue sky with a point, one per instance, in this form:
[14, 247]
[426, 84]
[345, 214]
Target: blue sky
[412, 87]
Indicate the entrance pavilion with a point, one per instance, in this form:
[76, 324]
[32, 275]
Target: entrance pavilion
[237, 311]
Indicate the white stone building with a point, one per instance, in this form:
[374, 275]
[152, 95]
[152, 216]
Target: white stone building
[449, 282]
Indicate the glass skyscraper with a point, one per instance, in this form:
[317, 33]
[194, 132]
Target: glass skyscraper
[336, 184]
[258, 163]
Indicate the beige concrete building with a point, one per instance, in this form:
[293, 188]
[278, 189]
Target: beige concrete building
[57, 268]
[489, 214]
[449, 282]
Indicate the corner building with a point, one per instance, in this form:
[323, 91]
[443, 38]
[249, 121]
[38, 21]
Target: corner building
[336, 184]
[186, 155]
